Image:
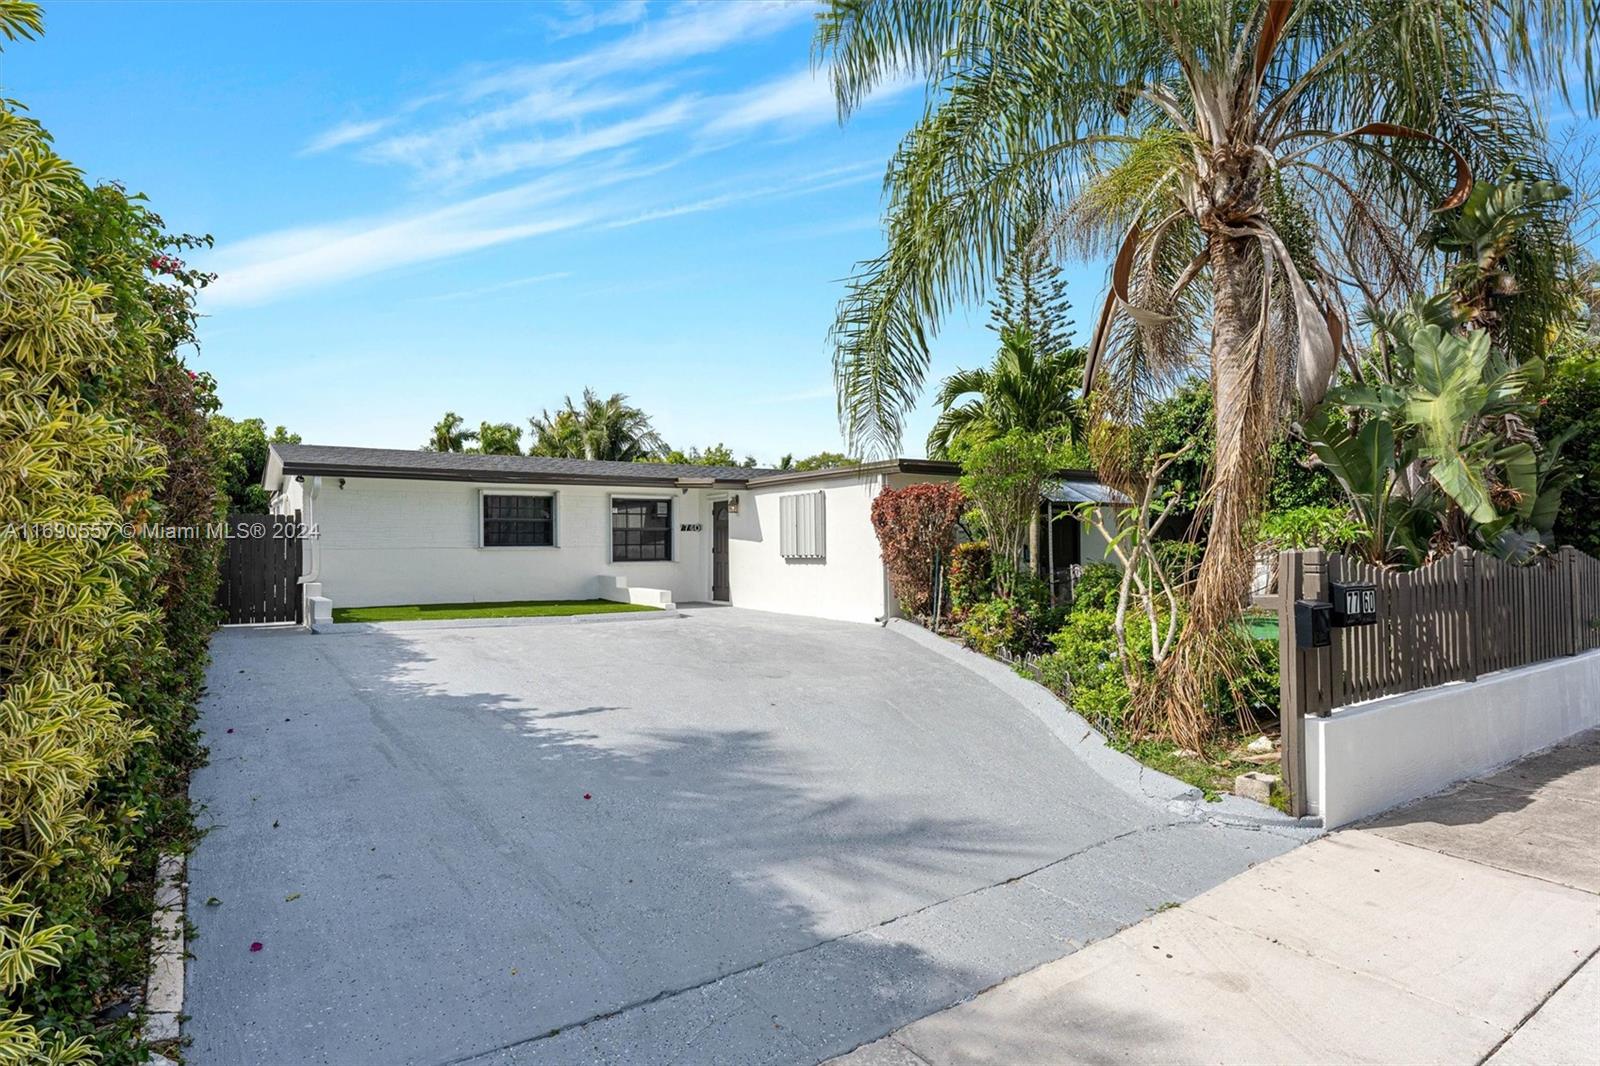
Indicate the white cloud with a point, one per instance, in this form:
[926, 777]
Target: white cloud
[266, 268]
[569, 134]
[819, 182]
[526, 117]
[802, 95]
[579, 18]
[344, 133]
[800, 99]
[482, 163]
[694, 29]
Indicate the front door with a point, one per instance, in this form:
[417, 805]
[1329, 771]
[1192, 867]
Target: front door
[719, 551]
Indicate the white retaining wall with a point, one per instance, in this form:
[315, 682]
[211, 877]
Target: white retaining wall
[1371, 756]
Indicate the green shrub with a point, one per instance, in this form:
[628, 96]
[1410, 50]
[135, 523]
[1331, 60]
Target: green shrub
[1333, 528]
[971, 575]
[1019, 624]
[1083, 668]
[1571, 407]
[997, 627]
[1097, 586]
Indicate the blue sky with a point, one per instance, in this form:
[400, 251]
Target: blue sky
[486, 207]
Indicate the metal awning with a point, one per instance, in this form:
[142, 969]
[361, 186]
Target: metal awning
[1081, 490]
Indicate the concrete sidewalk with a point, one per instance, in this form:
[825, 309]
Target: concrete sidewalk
[1463, 928]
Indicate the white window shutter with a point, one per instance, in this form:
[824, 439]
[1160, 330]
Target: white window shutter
[802, 526]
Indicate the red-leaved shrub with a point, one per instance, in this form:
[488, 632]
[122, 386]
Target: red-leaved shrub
[914, 524]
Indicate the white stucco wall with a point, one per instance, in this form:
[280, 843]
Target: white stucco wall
[848, 584]
[395, 541]
[290, 497]
[1091, 543]
[1369, 757]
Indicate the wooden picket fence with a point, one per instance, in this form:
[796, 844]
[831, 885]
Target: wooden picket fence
[1462, 616]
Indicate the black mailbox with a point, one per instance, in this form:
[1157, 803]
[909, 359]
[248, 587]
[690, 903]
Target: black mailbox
[1312, 620]
[1354, 605]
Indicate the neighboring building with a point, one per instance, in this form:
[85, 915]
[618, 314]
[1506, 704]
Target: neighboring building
[402, 527]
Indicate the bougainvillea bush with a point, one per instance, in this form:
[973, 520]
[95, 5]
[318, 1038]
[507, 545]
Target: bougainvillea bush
[102, 631]
[915, 526]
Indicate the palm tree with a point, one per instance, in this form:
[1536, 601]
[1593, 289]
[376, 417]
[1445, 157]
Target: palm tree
[448, 436]
[1022, 389]
[556, 435]
[499, 438]
[607, 428]
[1252, 164]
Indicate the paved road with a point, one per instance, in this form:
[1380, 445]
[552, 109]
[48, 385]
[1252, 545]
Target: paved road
[725, 837]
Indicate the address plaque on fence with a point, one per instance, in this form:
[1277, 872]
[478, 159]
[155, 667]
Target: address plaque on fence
[1354, 605]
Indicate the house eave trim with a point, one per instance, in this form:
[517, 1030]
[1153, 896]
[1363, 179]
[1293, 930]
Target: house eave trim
[482, 477]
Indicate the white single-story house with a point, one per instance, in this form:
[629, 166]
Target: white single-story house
[408, 527]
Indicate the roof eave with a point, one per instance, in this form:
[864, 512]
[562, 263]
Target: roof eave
[882, 466]
[487, 477]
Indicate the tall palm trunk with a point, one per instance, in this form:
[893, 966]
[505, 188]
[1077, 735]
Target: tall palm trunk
[1243, 423]
[1246, 392]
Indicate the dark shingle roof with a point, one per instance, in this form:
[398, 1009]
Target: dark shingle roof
[399, 462]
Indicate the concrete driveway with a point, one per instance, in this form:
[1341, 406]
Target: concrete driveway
[729, 837]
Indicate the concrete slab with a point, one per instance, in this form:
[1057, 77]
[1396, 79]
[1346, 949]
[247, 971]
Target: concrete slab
[1184, 988]
[885, 1052]
[1572, 769]
[637, 843]
[1359, 947]
[1547, 833]
[1565, 1030]
[1484, 942]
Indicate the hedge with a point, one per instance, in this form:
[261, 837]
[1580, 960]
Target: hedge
[103, 631]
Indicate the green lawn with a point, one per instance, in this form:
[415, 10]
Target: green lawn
[417, 612]
[1261, 627]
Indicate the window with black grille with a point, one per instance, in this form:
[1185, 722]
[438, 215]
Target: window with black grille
[519, 521]
[641, 530]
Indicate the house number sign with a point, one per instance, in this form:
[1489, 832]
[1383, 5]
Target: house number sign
[1354, 605]
[689, 527]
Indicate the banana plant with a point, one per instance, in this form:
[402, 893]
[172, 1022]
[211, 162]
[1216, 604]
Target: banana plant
[1434, 449]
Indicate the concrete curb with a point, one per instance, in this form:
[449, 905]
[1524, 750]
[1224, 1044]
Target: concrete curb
[1089, 745]
[163, 999]
[350, 628]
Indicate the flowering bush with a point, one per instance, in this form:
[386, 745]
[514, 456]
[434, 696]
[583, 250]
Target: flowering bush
[915, 526]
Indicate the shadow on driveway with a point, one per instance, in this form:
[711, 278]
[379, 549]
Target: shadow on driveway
[678, 841]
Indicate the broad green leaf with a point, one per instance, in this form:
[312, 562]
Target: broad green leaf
[1464, 485]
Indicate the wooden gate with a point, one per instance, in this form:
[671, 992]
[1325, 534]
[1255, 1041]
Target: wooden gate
[261, 570]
